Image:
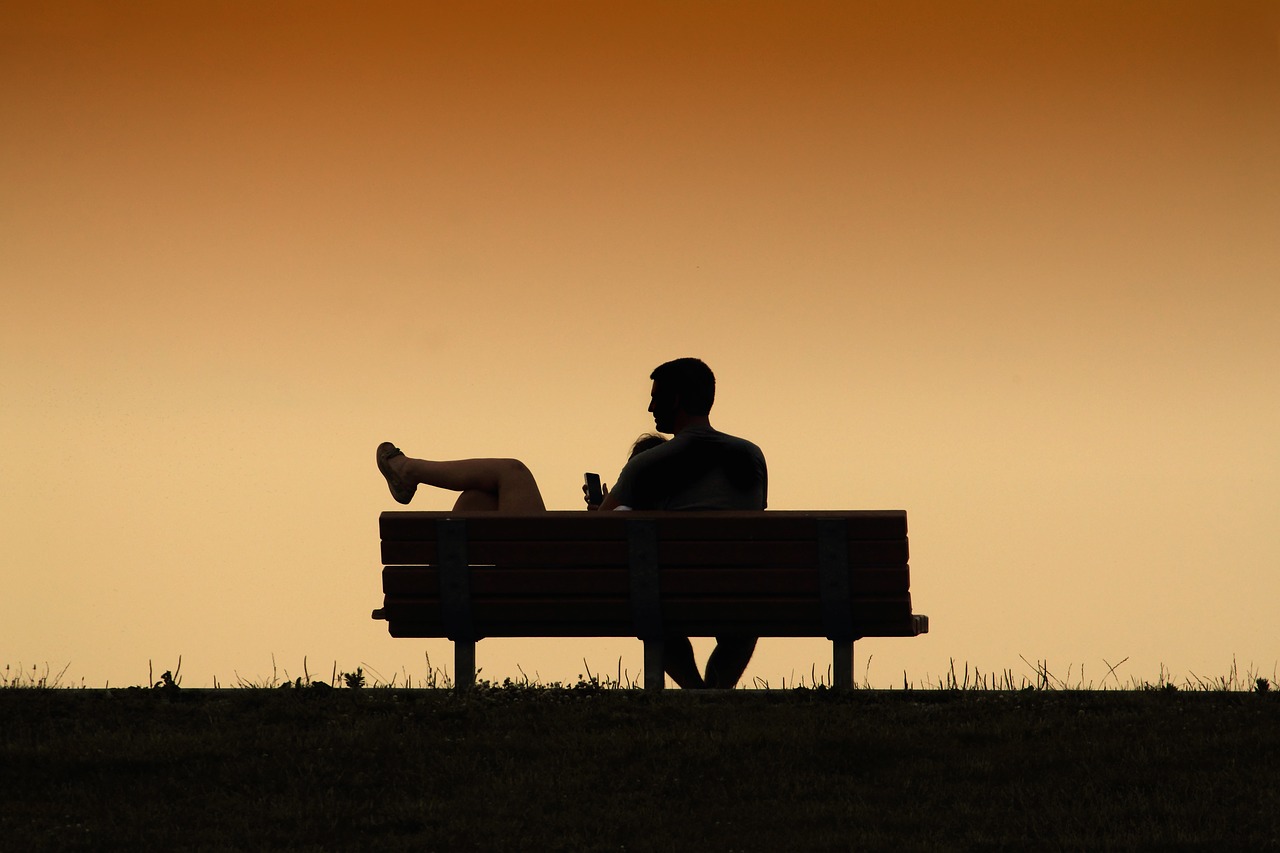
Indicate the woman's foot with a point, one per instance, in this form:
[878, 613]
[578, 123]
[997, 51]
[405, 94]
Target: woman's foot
[401, 491]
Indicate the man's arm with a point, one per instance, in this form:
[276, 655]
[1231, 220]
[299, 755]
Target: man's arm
[609, 502]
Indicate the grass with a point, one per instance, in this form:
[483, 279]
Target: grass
[1039, 677]
[315, 765]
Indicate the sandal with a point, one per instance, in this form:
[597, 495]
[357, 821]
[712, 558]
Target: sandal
[401, 492]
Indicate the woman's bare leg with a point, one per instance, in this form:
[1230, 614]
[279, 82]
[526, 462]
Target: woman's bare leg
[507, 483]
[475, 501]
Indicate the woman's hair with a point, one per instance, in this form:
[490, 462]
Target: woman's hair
[648, 441]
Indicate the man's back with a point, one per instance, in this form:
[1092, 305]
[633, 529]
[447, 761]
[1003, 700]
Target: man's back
[700, 469]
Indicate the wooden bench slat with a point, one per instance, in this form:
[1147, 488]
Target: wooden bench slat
[583, 526]
[894, 628]
[770, 553]
[423, 581]
[617, 611]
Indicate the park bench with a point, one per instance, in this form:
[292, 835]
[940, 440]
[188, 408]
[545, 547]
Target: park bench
[465, 576]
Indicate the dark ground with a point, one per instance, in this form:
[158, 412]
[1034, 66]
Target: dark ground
[584, 768]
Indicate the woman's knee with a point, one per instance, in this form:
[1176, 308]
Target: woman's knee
[513, 468]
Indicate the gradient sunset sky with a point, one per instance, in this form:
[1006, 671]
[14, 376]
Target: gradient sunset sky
[1013, 267]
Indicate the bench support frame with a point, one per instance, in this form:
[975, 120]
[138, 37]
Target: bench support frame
[842, 664]
[464, 664]
[654, 676]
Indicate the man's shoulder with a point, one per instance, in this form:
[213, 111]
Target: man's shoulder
[736, 441]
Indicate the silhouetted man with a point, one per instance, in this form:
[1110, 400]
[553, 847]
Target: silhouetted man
[700, 468]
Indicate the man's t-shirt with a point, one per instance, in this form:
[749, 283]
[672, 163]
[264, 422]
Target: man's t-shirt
[700, 468]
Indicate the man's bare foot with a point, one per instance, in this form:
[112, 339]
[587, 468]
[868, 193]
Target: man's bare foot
[387, 455]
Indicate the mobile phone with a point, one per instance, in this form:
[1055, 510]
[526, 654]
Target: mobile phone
[594, 495]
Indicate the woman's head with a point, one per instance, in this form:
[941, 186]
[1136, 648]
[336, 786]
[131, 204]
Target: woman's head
[648, 441]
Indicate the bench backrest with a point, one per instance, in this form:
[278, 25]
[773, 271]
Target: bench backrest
[841, 575]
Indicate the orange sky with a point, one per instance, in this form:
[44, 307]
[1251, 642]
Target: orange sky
[1011, 267]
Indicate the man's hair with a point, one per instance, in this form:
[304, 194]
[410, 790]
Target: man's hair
[692, 380]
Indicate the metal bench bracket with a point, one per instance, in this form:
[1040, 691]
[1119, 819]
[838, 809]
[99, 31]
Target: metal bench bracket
[646, 605]
[646, 602]
[833, 579]
[455, 597]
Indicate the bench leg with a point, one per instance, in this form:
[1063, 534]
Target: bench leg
[654, 677]
[842, 664]
[464, 664]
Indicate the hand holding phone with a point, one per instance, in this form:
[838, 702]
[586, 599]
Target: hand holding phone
[592, 489]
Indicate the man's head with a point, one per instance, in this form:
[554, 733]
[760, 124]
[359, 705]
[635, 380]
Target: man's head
[682, 389]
